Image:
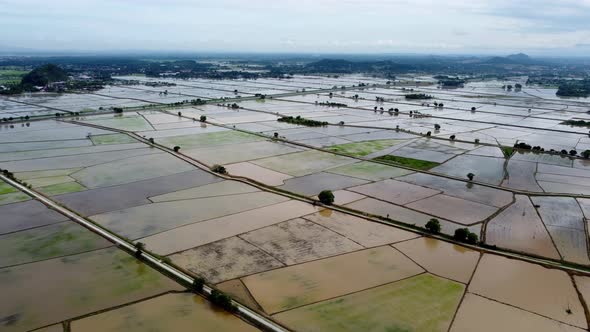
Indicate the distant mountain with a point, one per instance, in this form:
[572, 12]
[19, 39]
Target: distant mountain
[345, 66]
[513, 59]
[41, 76]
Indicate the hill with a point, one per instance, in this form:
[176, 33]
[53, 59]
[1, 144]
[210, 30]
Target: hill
[42, 76]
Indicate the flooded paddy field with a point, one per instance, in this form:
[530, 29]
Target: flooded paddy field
[304, 265]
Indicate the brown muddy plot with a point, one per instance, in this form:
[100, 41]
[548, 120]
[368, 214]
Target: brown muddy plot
[441, 258]
[238, 291]
[212, 230]
[455, 209]
[51, 291]
[171, 312]
[313, 184]
[366, 233]
[225, 259]
[258, 173]
[531, 287]
[395, 191]
[520, 228]
[298, 285]
[299, 240]
[480, 314]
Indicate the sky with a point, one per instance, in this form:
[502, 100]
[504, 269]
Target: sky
[560, 27]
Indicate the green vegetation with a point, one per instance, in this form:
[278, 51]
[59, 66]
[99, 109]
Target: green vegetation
[577, 123]
[10, 75]
[578, 88]
[423, 303]
[198, 284]
[298, 120]
[415, 96]
[62, 188]
[470, 176]
[408, 162]
[222, 300]
[326, 197]
[361, 149]
[465, 235]
[5, 188]
[44, 75]
[433, 226]
[111, 139]
[507, 151]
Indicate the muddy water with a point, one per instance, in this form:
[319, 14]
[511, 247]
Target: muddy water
[479, 314]
[441, 258]
[172, 312]
[395, 191]
[298, 285]
[520, 228]
[531, 287]
[366, 233]
[208, 231]
[258, 173]
[455, 209]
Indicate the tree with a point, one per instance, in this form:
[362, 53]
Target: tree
[203, 118]
[179, 113]
[452, 137]
[461, 234]
[586, 154]
[470, 176]
[176, 148]
[139, 248]
[436, 126]
[472, 238]
[573, 152]
[473, 108]
[198, 284]
[222, 300]
[433, 226]
[326, 197]
[276, 135]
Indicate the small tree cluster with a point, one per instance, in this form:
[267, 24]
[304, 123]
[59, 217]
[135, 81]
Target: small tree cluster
[222, 300]
[465, 235]
[218, 169]
[203, 118]
[326, 197]
[433, 226]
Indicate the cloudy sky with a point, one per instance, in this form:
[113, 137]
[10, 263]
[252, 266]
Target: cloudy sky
[311, 26]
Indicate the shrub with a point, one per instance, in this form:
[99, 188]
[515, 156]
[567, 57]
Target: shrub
[586, 154]
[452, 137]
[219, 169]
[470, 176]
[472, 238]
[461, 234]
[117, 109]
[436, 126]
[222, 300]
[198, 284]
[203, 118]
[433, 226]
[176, 148]
[326, 197]
[179, 113]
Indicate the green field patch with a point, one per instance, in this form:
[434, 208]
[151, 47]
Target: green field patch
[5, 188]
[370, 171]
[49, 181]
[361, 149]
[408, 162]
[112, 139]
[209, 139]
[47, 242]
[62, 188]
[44, 174]
[303, 163]
[130, 123]
[11, 75]
[422, 303]
[13, 198]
